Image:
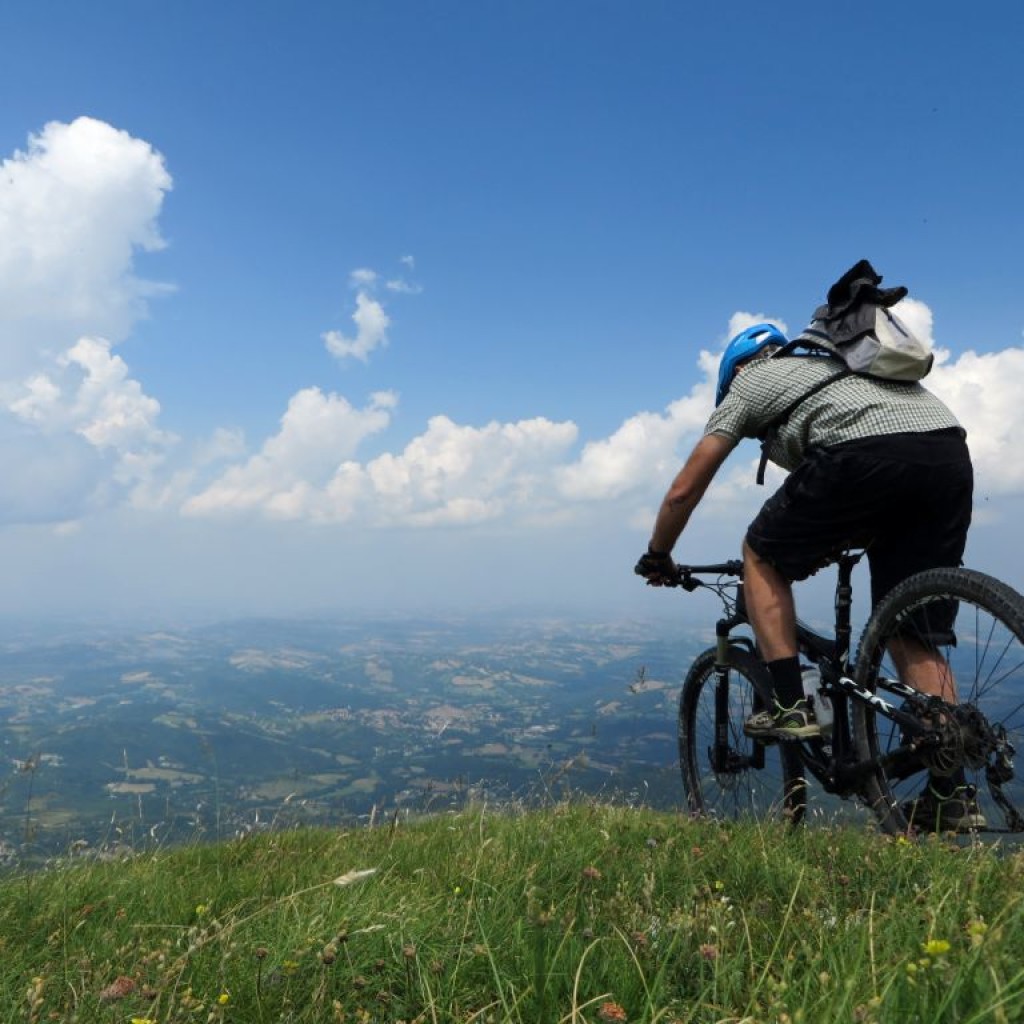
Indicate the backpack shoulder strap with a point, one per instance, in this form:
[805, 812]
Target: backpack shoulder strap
[767, 434]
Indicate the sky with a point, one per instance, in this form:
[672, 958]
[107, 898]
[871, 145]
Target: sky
[330, 307]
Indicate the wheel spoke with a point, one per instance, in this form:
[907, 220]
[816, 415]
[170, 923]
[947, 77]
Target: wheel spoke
[986, 658]
[741, 778]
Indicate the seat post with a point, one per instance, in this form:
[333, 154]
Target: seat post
[844, 605]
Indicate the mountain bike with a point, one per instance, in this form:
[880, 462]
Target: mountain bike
[881, 738]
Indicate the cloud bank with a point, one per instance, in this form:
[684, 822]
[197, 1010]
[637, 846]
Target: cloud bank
[80, 435]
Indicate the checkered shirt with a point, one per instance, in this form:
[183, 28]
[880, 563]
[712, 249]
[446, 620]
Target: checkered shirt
[852, 408]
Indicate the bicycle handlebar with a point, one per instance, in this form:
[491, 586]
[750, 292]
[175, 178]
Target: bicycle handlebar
[734, 567]
[685, 574]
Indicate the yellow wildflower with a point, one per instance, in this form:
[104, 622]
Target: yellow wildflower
[936, 947]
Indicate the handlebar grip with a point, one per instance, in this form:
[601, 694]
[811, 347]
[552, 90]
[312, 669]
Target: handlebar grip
[734, 567]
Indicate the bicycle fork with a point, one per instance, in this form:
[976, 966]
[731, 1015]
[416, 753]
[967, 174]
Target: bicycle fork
[723, 756]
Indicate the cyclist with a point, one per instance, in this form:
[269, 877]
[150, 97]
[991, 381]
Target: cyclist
[877, 464]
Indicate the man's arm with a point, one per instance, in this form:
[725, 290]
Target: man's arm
[687, 490]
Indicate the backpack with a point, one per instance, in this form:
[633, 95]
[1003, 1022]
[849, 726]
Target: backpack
[876, 343]
[856, 328]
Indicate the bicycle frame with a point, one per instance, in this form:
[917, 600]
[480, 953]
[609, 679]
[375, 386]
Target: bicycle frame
[831, 760]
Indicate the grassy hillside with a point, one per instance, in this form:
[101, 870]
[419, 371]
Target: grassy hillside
[579, 913]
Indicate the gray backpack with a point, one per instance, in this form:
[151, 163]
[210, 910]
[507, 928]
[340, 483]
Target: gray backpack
[882, 346]
[856, 328]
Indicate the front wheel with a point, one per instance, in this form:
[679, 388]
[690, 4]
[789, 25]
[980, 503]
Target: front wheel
[726, 774]
[976, 623]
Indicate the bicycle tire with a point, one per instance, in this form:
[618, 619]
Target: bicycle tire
[764, 781]
[987, 659]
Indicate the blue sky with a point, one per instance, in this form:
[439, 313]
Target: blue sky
[320, 306]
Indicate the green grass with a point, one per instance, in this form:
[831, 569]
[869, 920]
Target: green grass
[577, 913]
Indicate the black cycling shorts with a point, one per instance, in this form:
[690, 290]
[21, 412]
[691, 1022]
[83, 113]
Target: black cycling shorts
[906, 498]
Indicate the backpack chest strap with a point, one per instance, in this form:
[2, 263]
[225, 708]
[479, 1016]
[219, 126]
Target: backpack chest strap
[768, 433]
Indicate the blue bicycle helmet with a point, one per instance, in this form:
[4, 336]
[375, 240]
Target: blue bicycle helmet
[745, 345]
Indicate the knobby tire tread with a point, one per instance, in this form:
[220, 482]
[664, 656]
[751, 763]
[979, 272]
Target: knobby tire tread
[982, 591]
[790, 802]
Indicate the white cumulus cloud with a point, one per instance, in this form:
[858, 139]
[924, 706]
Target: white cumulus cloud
[644, 447]
[984, 393]
[95, 398]
[288, 477]
[371, 331]
[75, 207]
[450, 474]
[371, 321]
[460, 474]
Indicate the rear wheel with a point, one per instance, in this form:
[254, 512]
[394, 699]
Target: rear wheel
[986, 656]
[734, 776]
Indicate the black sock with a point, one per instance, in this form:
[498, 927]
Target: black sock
[787, 682]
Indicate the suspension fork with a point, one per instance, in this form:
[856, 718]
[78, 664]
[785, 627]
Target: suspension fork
[723, 755]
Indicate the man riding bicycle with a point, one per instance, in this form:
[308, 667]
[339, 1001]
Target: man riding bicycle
[877, 464]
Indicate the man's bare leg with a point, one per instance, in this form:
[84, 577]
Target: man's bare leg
[772, 612]
[922, 668]
[769, 597]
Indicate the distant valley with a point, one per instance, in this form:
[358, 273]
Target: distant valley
[118, 738]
